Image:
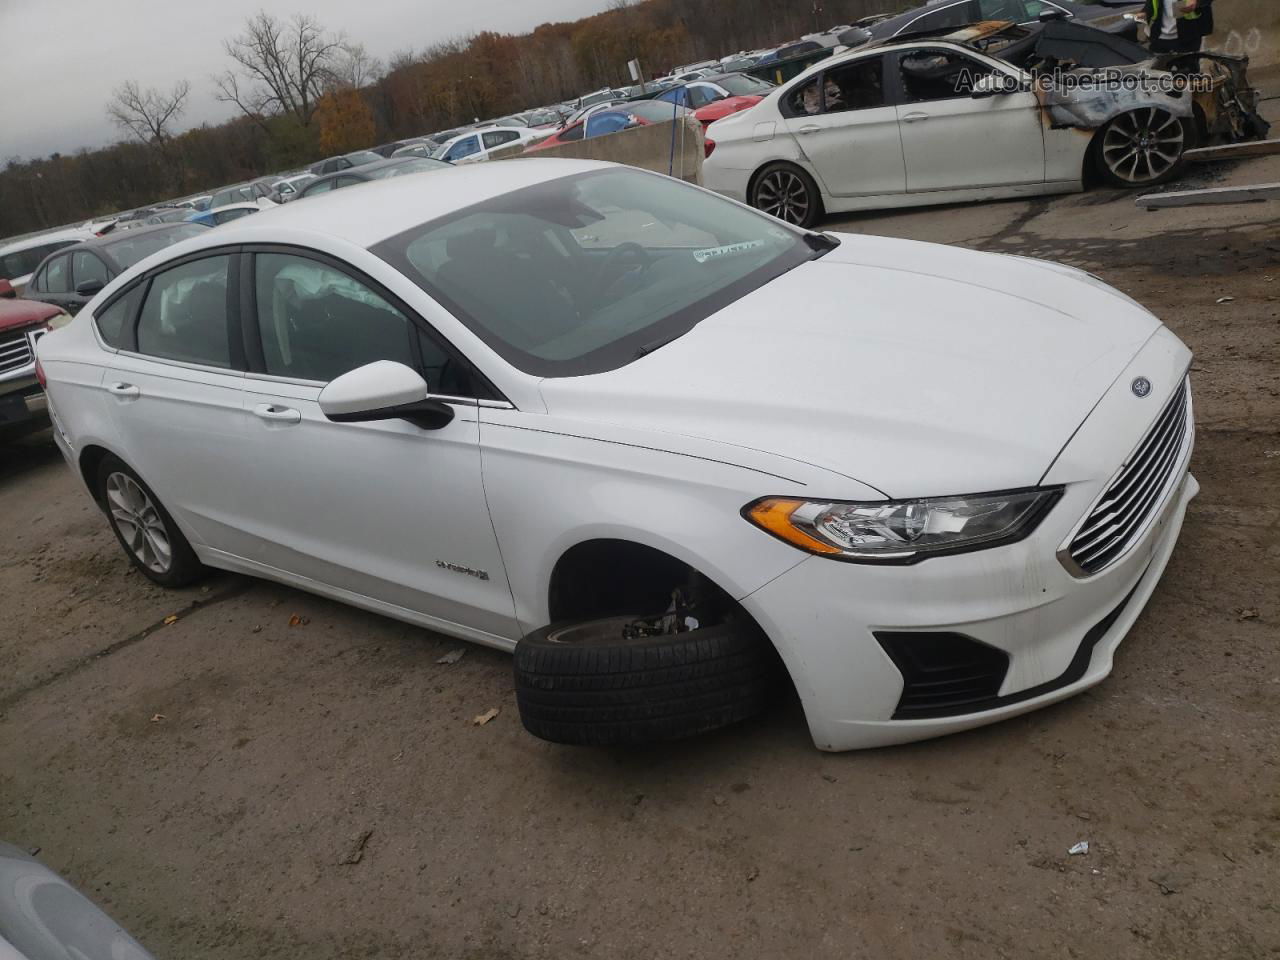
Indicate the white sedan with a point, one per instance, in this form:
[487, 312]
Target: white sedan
[476, 146]
[941, 121]
[646, 438]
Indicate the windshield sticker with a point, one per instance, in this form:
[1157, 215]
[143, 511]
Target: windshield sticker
[728, 250]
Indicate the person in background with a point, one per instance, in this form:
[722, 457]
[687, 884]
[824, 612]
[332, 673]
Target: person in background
[1178, 26]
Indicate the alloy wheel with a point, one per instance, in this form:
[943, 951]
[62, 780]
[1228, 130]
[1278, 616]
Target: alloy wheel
[141, 527]
[783, 194]
[1142, 146]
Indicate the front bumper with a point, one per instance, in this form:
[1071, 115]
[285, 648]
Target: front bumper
[22, 402]
[1053, 633]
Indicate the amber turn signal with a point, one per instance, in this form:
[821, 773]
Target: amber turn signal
[773, 514]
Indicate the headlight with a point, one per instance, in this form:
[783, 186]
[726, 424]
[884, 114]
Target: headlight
[902, 531]
[60, 320]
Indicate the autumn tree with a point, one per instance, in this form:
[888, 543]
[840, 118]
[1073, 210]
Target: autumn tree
[345, 121]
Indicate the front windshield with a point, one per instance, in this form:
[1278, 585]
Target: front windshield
[586, 273]
[129, 249]
[740, 85]
[361, 157]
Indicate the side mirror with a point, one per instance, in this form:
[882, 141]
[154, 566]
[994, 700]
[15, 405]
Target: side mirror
[989, 86]
[87, 288]
[6, 290]
[383, 390]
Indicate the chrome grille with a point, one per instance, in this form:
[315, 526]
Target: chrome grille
[15, 351]
[1121, 515]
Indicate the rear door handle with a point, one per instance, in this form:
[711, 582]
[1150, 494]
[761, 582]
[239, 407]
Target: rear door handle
[126, 391]
[269, 411]
[915, 117]
[809, 128]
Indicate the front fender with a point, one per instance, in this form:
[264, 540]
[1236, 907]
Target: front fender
[1114, 93]
[549, 491]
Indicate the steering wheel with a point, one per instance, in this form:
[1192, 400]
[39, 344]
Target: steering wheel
[608, 273]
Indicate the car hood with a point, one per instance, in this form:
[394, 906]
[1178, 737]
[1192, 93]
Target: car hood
[15, 314]
[914, 368]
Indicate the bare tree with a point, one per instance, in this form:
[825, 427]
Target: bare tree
[282, 67]
[354, 68]
[147, 113]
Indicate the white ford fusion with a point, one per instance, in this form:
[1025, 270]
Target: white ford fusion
[667, 449]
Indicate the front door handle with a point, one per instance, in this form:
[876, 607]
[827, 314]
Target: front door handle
[809, 128]
[126, 391]
[269, 411]
[915, 117]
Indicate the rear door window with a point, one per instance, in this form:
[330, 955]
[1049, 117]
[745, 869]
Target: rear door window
[497, 138]
[854, 86]
[185, 316]
[804, 100]
[57, 276]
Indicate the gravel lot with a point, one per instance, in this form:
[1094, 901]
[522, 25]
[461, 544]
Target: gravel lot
[230, 786]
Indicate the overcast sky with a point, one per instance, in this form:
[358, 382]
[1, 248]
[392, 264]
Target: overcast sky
[62, 58]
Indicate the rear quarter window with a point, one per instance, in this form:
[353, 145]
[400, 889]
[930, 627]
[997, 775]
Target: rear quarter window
[116, 321]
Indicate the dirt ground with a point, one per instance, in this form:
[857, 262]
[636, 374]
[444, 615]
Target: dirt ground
[229, 786]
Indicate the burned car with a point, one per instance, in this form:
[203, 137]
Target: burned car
[991, 110]
[1088, 78]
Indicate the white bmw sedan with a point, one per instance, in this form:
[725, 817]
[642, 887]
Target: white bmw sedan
[667, 449]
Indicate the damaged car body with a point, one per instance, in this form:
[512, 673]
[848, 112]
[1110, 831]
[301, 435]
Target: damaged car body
[1108, 75]
[991, 110]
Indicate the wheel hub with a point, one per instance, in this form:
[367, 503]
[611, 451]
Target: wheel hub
[139, 523]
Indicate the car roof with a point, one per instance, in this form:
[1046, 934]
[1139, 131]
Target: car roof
[958, 36]
[108, 238]
[361, 170]
[39, 240]
[384, 208]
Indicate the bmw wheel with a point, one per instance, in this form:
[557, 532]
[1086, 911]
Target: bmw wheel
[1142, 148]
[144, 528]
[788, 193]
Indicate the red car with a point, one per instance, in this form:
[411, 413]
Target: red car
[717, 96]
[22, 402]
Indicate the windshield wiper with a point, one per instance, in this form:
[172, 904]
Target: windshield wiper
[820, 243]
[648, 348]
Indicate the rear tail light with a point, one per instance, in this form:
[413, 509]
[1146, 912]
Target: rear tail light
[44, 381]
[709, 146]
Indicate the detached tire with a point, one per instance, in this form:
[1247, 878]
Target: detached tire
[581, 683]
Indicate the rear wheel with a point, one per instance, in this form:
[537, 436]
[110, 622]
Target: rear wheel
[1144, 147]
[788, 193]
[586, 683]
[144, 528]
